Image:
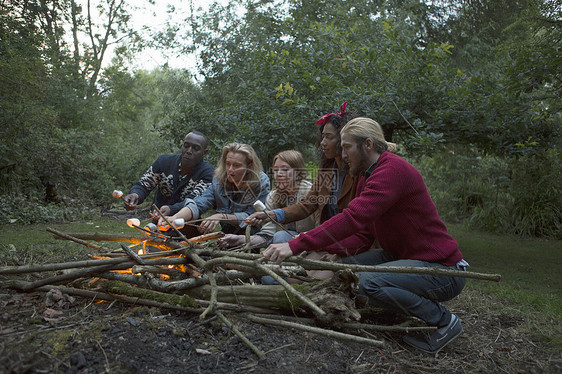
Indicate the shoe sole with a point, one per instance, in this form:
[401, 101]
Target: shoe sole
[438, 350]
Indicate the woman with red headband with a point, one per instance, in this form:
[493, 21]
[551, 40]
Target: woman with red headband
[331, 192]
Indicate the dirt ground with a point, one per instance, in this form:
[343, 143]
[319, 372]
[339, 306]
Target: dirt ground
[42, 334]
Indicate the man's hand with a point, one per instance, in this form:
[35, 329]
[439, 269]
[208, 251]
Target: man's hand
[259, 218]
[278, 252]
[130, 201]
[165, 210]
[209, 224]
[231, 240]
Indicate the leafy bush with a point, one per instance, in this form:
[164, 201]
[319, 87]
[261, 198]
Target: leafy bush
[521, 195]
[23, 209]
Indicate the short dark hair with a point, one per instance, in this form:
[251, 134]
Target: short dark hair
[199, 133]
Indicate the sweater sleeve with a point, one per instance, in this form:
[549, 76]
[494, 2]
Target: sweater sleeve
[204, 179]
[148, 181]
[203, 202]
[382, 190]
[317, 197]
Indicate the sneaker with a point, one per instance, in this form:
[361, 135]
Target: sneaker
[434, 341]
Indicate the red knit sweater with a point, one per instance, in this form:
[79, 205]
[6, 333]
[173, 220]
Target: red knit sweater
[392, 204]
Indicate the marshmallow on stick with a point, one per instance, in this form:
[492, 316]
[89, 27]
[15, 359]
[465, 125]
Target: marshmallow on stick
[151, 227]
[260, 207]
[178, 223]
[117, 194]
[132, 222]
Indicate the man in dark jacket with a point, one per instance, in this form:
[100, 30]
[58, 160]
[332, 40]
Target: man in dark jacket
[176, 177]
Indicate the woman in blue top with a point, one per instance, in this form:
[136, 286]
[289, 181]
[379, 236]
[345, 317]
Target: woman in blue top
[238, 182]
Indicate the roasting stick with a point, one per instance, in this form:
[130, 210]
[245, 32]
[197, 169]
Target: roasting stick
[259, 207]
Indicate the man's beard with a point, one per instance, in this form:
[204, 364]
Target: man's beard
[361, 165]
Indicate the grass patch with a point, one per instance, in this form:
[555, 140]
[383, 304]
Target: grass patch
[531, 283]
[527, 265]
[34, 244]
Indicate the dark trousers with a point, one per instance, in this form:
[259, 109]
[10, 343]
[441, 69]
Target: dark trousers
[411, 294]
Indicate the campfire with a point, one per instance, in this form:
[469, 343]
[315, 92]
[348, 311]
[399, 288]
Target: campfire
[194, 276]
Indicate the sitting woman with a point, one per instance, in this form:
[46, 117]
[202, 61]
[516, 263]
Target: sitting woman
[289, 173]
[238, 183]
[331, 192]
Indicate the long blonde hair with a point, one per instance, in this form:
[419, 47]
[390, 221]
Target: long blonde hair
[296, 162]
[362, 128]
[252, 177]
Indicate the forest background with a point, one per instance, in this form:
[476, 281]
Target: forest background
[469, 89]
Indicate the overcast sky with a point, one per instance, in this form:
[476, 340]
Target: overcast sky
[155, 18]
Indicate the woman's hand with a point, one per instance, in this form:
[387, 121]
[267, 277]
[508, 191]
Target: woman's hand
[209, 224]
[259, 218]
[162, 223]
[231, 240]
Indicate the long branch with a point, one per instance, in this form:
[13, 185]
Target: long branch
[316, 330]
[325, 265]
[355, 325]
[22, 269]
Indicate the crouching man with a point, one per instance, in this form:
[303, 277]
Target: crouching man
[393, 204]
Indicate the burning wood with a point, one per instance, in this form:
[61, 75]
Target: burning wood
[192, 275]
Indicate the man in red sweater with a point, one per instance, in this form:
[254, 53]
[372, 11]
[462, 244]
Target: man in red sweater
[392, 203]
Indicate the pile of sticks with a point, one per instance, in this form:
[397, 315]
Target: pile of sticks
[218, 282]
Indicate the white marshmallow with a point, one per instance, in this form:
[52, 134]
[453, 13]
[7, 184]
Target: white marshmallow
[258, 206]
[133, 222]
[151, 227]
[178, 223]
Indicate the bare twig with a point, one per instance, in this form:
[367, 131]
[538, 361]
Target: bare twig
[355, 325]
[246, 341]
[74, 239]
[132, 254]
[316, 330]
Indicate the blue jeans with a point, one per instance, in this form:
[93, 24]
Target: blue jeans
[283, 236]
[411, 294]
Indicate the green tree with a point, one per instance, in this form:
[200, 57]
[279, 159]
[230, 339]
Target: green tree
[52, 125]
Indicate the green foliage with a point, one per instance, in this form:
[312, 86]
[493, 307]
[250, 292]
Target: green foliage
[271, 71]
[519, 195]
[480, 78]
[535, 197]
[23, 209]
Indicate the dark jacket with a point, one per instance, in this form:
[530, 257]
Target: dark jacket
[172, 190]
